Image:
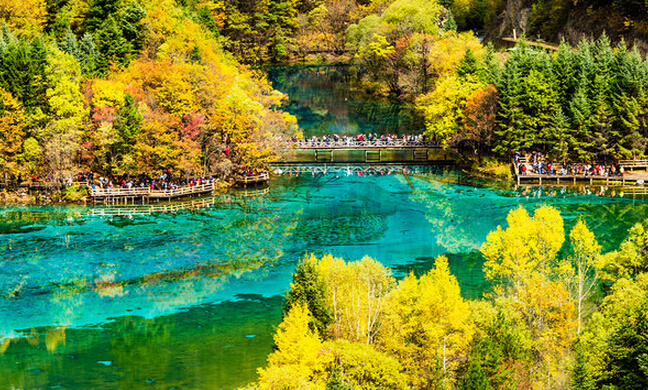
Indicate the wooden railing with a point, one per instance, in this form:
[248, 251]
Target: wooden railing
[637, 163]
[148, 192]
[119, 191]
[182, 191]
[253, 179]
[355, 144]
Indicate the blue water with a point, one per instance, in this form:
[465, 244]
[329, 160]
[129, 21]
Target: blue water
[79, 290]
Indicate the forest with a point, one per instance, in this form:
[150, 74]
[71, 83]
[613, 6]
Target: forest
[586, 103]
[582, 103]
[127, 87]
[560, 314]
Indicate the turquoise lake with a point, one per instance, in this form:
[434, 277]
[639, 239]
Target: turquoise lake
[191, 299]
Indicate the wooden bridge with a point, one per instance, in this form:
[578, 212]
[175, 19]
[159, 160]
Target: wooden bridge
[118, 195]
[351, 169]
[376, 151]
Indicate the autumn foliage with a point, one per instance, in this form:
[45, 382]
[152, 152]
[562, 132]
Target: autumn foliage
[145, 88]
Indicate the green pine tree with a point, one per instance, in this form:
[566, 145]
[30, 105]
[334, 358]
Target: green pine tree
[70, 45]
[450, 24]
[88, 54]
[129, 121]
[98, 12]
[113, 48]
[132, 27]
[468, 65]
[308, 287]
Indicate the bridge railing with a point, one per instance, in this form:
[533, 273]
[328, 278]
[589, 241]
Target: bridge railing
[119, 191]
[252, 179]
[355, 144]
[182, 191]
[146, 191]
[636, 163]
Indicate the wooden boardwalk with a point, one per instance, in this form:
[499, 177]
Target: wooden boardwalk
[252, 180]
[118, 195]
[629, 177]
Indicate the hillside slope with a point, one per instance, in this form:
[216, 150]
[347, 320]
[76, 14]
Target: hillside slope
[553, 20]
[126, 87]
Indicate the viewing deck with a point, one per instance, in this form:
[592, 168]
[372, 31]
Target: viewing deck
[627, 176]
[252, 179]
[119, 195]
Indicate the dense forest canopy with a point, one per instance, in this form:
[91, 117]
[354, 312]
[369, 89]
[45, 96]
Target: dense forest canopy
[127, 87]
[131, 86]
[584, 103]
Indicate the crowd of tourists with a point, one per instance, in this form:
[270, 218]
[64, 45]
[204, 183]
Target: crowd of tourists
[364, 139]
[166, 180]
[537, 163]
[249, 171]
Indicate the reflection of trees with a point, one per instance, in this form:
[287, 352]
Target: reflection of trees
[448, 213]
[324, 102]
[609, 222]
[250, 239]
[203, 347]
[239, 238]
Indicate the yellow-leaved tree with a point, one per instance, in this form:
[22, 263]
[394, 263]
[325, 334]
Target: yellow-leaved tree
[297, 362]
[522, 260]
[582, 267]
[528, 245]
[428, 326]
[357, 293]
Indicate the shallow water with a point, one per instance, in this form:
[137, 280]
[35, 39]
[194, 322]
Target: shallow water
[191, 299]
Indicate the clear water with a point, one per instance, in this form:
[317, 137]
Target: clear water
[324, 103]
[191, 299]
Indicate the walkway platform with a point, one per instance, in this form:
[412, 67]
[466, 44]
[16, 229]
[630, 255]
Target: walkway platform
[146, 194]
[252, 180]
[627, 177]
[634, 164]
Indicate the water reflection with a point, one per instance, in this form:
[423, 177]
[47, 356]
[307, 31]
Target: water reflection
[151, 264]
[204, 347]
[325, 102]
[637, 192]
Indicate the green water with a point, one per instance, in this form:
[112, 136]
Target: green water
[190, 300]
[324, 103]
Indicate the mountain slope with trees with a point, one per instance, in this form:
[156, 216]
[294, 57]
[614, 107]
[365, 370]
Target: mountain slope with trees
[127, 87]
